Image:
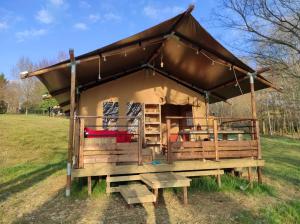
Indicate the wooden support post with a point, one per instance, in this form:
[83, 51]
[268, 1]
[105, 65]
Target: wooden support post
[108, 190]
[256, 125]
[216, 139]
[89, 182]
[168, 140]
[71, 125]
[140, 142]
[81, 144]
[259, 174]
[155, 191]
[185, 196]
[250, 177]
[206, 108]
[219, 180]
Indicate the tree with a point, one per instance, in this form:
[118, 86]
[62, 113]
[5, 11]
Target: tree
[272, 27]
[269, 35]
[3, 84]
[13, 96]
[29, 85]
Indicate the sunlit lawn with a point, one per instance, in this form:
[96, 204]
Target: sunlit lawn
[33, 148]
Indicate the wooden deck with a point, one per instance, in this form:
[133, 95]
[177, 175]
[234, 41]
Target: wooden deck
[103, 169]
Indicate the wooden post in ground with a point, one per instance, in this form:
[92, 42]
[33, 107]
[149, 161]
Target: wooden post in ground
[185, 196]
[250, 177]
[256, 125]
[71, 125]
[89, 180]
[155, 191]
[108, 184]
[219, 180]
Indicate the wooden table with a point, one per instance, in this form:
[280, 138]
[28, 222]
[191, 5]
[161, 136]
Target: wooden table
[166, 180]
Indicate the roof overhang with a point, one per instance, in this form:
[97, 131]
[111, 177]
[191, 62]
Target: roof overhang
[179, 48]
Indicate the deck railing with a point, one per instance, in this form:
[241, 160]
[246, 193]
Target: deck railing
[212, 138]
[109, 139]
[106, 139]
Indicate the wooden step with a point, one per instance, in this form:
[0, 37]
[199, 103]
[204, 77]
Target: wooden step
[136, 193]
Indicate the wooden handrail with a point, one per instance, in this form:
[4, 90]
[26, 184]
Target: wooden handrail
[204, 118]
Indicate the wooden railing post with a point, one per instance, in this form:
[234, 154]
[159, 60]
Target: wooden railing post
[81, 144]
[71, 125]
[168, 140]
[256, 127]
[139, 142]
[216, 136]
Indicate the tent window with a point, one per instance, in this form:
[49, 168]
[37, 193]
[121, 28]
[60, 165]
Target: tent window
[111, 113]
[133, 110]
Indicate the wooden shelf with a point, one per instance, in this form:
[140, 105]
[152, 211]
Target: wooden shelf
[152, 118]
[152, 113]
[152, 133]
[153, 143]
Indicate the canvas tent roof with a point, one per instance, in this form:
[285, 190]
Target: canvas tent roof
[190, 56]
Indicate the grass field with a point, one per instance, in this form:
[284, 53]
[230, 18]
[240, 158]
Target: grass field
[32, 178]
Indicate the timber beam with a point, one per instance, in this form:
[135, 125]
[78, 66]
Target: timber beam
[60, 91]
[184, 83]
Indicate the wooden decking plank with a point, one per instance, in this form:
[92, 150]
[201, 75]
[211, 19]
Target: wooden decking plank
[124, 178]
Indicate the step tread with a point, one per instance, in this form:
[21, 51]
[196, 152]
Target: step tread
[136, 193]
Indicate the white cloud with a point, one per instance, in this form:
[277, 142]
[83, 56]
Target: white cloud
[159, 13]
[80, 26]
[94, 17]
[27, 34]
[111, 17]
[84, 5]
[3, 25]
[44, 16]
[57, 2]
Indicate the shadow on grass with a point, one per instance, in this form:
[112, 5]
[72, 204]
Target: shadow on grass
[27, 180]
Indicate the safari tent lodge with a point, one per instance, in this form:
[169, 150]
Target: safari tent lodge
[139, 110]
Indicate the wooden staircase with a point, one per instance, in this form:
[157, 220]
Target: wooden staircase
[139, 192]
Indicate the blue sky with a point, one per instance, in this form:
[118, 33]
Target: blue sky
[40, 29]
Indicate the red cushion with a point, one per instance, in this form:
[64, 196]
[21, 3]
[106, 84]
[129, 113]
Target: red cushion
[121, 136]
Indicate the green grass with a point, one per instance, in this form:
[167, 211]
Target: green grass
[79, 188]
[285, 212]
[230, 184]
[32, 148]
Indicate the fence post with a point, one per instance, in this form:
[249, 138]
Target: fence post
[216, 139]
